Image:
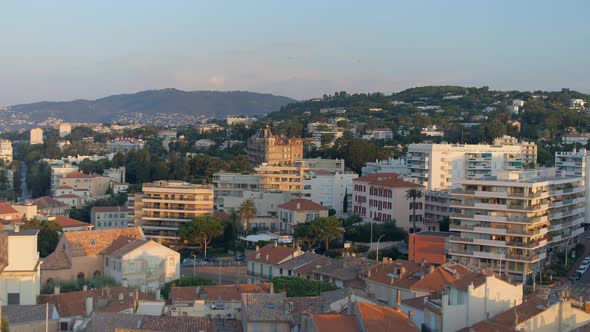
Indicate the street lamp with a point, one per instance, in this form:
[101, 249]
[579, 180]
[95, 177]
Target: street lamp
[194, 266]
[379, 239]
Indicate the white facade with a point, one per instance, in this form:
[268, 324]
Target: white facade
[391, 165]
[575, 164]
[57, 171]
[432, 131]
[65, 129]
[459, 308]
[6, 151]
[330, 190]
[435, 166]
[267, 202]
[20, 279]
[36, 136]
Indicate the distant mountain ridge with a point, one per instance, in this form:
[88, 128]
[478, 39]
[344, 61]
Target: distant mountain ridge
[151, 102]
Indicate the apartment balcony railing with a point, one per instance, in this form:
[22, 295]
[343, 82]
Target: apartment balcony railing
[498, 230]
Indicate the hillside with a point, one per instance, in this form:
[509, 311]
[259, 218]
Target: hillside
[156, 102]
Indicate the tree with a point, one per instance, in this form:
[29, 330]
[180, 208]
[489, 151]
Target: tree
[413, 194]
[48, 236]
[247, 211]
[308, 233]
[330, 228]
[201, 230]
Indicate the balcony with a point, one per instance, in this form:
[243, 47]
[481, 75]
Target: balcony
[498, 230]
[497, 256]
[499, 243]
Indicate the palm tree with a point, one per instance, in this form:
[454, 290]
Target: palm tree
[413, 194]
[247, 211]
[328, 228]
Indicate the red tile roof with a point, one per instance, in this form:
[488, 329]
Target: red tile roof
[66, 222]
[380, 318]
[47, 202]
[335, 322]
[301, 204]
[77, 175]
[506, 320]
[7, 209]
[87, 243]
[271, 254]
[217, 292]
[391, 180]
[67, 196]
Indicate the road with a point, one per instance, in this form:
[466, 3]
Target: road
[219, 274]
[581, 288]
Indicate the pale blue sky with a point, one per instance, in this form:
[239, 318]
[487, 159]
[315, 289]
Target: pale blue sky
[61, 50]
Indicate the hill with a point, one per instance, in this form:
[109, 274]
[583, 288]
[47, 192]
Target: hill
[156, 102]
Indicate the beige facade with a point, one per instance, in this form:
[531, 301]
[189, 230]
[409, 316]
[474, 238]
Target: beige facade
[299, 211]
[95, 185]
[20, 279]
[508, 222]
[264, 147]
[164, 206]
[36, 136]
[6, 151]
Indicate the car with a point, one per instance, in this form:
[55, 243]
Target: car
[240, 258]
[187, 261]
[581, 270]
[584, 266]
[586, 259]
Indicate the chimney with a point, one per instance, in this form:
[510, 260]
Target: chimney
[411, 316]
[16, 227]
[89, 305]
[121, 297]
[267, 257]
[158, 295]
[298, 206]
[257, 248]
[398, 299]
[56, 290]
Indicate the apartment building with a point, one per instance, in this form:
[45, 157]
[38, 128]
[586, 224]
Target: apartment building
[20, 280]
[36, 136]
[93, 185]
[319, 164]
[264, 147]
[125, 145]
[332, 190]
[164, 206]
[58, 169]
[575, 163]
[299, 211]
[437, 206]
[65, 129]
[436, 166]
[6, 151]
[391, 165]
[508, 222]
[109, 217]
[382, 197]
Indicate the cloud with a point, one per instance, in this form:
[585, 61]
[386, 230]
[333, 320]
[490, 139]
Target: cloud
[216, 81]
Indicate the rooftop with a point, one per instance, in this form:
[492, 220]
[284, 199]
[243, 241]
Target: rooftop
[7, 209]
[391, 180]
[217, 292]
[301, 204]
[110, 322]
[47, 202]
[271, 254]
[265, 308]
[66, 222]
[381, 318]
[110, 209]
[506, 321]
[335, 322]
[21, 314]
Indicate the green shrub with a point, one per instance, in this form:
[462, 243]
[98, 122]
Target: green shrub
[76, 285]
[296, 287]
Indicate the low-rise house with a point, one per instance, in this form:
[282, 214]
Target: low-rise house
[73, 200]
[20, 278]
[299, 211]
[110, 217]
[536, 314]
[71, 225]
[80, 255]
[111, 322]
[219, 301]
[26, 210]
[262, 264]
[9, 213]
[474, 297]
[362, 317]
[339, 299]
[390, 280]
[119, 187]
[48, 206]
[302, 307]
[265, 312]
[74, 306]
[343, 272]
[31, 318]
[141, 263]
[204, 143]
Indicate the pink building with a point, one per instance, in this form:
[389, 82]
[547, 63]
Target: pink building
[382, 197]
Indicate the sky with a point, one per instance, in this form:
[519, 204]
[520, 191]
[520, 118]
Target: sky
[64, 50]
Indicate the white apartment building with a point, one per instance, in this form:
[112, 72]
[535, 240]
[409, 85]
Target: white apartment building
[575, 164]
[58, 170]
[319, 164]
[330, 190]
[437, 207]
[508, 222]
[20, 280]
[267, 202]
[435, 166]
[391, 165]
[65, 129]
[473, 298]
[6, 151]
[164, 206]
[432, 131]
[36, 136]
[109, 217]
[382, 197]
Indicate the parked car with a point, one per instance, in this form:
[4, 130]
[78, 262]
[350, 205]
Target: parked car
[241, 258]
[187, 261]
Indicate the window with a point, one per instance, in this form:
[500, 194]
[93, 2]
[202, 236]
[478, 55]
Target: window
[63, 326]
[13, 298]
[81, 275]
[281, 271]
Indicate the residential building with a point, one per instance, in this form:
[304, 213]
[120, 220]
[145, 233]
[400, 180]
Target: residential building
[9, 213]
[74, 306]
[20, 279]
[116, 322]
[432, 131]
[390, 165]
[164, 206]
[262, 262]
[109, 217]
[31, 318]
[125, 145]
[436, 166]
[242, 120]
[285, 178]
[36, 136]
[345, 272]
[577, 104]
[575, 164]
[508, 222]
[299, 211]
[471, 299]
[320, 164]
[265, 312]
[26, 210]
[65, 129]
[219, 301]
[381, 134]
[264, 147]
[6, 151]
[575, 138]
[80, 184]
[48, 206]
[392, 281]
[332, 190]
[141, 263]
[382, 197]
[204, 143]
[267, 202]
[59, 170]
[71, 225]
[339, 299]
[428, 246]
[117, 174]
[536, 314]
[80, 255]
[119, 187]
[437, 207]
[233, 184]
[363, 317]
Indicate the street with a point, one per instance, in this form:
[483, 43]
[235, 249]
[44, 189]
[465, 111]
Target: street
[580, 289]
[219, 274]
